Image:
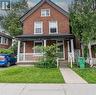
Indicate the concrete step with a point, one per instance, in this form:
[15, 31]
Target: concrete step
[63, 63]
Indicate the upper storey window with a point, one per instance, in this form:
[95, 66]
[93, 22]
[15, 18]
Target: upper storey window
[38, 27]
[5, 5]
[53, 27]
[45, 12]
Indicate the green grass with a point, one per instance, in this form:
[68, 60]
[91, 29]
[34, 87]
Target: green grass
[89, 74]
[30, 75]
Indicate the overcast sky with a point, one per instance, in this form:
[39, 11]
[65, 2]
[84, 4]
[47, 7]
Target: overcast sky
[62, 3]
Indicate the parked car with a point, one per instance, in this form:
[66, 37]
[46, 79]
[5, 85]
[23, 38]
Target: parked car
[7, 60]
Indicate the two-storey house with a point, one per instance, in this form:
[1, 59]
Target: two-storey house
[43, 25]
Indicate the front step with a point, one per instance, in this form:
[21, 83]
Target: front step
[63, 63]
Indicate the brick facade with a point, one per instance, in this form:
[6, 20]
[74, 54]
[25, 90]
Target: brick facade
[63, 21]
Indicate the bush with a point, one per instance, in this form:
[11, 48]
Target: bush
[48, 63]
[6, 51]
[49, 58]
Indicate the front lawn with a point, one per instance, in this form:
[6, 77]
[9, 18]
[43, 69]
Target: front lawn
[89, 74]
[30, 75]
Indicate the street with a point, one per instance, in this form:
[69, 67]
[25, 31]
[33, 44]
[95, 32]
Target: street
[47, 89]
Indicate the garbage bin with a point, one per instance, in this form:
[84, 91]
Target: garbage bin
[81, 62]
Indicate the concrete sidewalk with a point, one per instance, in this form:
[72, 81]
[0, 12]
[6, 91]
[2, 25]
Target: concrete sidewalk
[47, 89]
[71, 77]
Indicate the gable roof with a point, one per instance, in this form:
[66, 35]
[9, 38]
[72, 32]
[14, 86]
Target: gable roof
[33, 9]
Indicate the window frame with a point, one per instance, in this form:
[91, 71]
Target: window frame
[51, 26]
[45, 15]
[35, 27]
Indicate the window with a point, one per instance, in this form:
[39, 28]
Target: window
[53, 27]
[45, 12]
[38, 44]
[5, 5]
[38, 27]
[3, 40]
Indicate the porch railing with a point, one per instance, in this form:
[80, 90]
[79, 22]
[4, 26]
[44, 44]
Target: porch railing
[34, 57]
[30, 57]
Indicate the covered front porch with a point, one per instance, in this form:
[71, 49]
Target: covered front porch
[27, 53]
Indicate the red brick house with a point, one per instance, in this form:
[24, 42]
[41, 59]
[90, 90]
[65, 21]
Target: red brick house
[45, 24]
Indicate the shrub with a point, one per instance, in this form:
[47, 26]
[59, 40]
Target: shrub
[49, 58]
[6, 51]
[48, 63]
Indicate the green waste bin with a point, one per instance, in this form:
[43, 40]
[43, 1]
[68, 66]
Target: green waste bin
[81, 62]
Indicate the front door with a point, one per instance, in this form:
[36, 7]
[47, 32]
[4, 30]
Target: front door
[60, 49]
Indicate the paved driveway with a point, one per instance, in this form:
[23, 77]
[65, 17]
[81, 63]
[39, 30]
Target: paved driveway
[47, 89]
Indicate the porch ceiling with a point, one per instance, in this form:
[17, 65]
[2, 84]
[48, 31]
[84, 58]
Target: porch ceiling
[45, 37]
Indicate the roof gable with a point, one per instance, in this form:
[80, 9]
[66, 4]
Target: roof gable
[28, 13]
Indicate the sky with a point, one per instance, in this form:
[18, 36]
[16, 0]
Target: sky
[62, 3]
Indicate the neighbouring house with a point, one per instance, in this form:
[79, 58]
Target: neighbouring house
[5, 41]
[5, 38]
[92, 53]
[43, 25]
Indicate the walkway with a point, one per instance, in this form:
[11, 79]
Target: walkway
[47, 89]
[71, 77]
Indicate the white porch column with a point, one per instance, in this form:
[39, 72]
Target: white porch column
[68, 51]
[44, 43]
[24, 51]
[18, 51]
[72, 50]
[90, 53]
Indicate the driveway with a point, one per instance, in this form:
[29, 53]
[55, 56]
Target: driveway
[47, 89]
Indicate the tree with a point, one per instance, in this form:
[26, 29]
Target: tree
[83, 21]
[11, 22]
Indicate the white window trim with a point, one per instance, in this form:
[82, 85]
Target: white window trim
[45, 15]
[35, 28]
[3, 5]
[50, 27]
[34, 49]
[6, 5]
